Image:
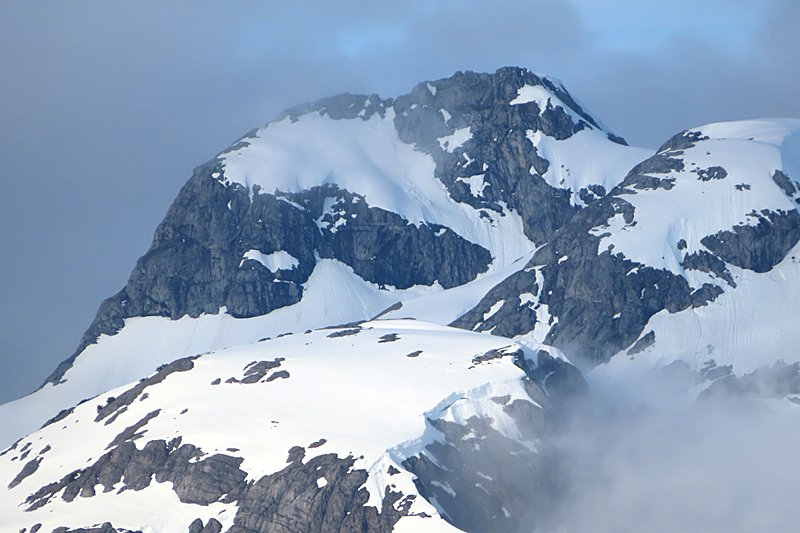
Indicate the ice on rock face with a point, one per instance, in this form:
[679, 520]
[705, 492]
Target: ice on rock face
[367, 157]
[456, 140]
[275, 261]
[536, 94]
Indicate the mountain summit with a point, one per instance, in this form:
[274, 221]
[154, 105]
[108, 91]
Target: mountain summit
[373, 314]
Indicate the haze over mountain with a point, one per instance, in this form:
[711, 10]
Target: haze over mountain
[106, 107]
[471, 307]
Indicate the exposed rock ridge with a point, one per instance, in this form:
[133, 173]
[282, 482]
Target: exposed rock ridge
[484, 481]
[597, 302]
[498, 149]
[602, 300]
[287, 501]
[196, 262]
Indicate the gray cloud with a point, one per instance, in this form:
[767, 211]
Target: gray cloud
[106, 107]
[647, 459]
[692, 79]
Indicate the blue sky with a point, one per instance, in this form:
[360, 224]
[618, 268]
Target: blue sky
[105, 108]
[644, 27]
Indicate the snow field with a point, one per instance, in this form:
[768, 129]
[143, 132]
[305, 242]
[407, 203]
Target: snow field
[368, 157]
[279, 260]
[747, 327]
[334, 294]
[368, 399]
[693, 208]
[586, 158]
[456, 140]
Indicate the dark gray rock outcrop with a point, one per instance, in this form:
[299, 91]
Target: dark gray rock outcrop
[706, 262]
[287, 501]
[485, 482]
[513, 316]
[602, 300]
[195, 264]
[757, 247]
[27, 470]
[644, 342]
[255, 371]
[682, 141]
[201, 482]
[711, 173]
[559, 380]
[641, 176]
[292, 500]
[132, 432]
[785, 183]
[212, 526]
[499, 148]
[114, 405]
[384, 248]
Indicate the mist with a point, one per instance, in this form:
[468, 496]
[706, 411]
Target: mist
[647, 457]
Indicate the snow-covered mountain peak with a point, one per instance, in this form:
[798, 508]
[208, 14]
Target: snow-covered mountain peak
[420, 153]
[770, 131]
[378, 315]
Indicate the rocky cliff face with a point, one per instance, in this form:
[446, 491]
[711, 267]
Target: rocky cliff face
[593, 301]
[479, 142]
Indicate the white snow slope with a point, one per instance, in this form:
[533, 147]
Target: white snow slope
[368, 399]
[363, 156]
[334, 294]
[366, 157]
[748, 326]
[586, 158]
